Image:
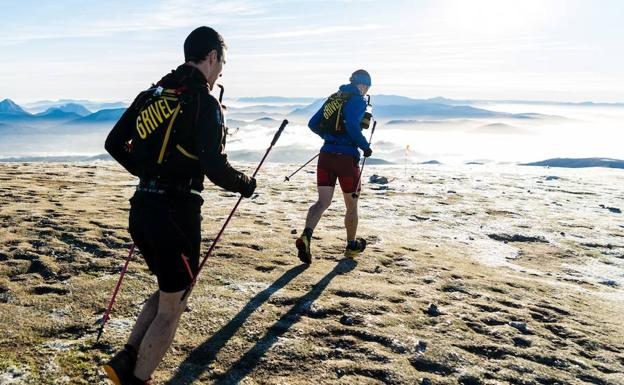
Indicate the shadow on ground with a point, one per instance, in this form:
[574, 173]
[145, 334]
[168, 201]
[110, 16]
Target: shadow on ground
[199, 360]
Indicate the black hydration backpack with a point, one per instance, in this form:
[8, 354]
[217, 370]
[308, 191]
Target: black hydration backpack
[332, 121]
[158, 117]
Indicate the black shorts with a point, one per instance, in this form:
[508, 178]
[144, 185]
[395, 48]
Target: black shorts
[167, 231]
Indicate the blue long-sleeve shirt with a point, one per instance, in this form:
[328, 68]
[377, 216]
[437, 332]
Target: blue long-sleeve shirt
[352, 139]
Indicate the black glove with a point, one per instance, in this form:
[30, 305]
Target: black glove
[368, 152]
[247, 186]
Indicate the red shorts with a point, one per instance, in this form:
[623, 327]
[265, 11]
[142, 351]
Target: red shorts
[343, 167]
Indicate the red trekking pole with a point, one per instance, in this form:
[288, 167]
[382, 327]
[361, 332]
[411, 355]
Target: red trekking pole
[192, 284]
[115, 291]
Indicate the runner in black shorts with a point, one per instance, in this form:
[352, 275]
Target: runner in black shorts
[339, 122]
[171, 136]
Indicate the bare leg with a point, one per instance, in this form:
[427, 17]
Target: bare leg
[160, 333]
[326, 193]
[143, 322]
[351, 216]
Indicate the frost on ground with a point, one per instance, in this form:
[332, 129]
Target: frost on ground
[473, 275]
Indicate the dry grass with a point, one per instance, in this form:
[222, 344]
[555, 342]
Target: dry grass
[516, 312]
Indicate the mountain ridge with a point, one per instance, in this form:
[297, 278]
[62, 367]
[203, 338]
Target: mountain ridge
[578, 163]
[9, 107]
[101, 116]
[76, 108]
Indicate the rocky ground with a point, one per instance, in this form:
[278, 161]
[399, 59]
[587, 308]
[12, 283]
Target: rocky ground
[473, 275]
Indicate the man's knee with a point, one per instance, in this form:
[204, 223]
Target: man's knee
[167, 319]
[170, 305]
[351, 205]
[322, 205]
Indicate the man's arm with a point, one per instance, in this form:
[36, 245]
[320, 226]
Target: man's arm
[315, 121]
[211, 147]
[353, 113]
[117, 141]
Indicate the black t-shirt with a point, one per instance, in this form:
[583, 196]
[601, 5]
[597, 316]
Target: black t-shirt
[197, 143]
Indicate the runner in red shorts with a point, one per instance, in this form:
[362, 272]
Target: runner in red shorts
[339, 122]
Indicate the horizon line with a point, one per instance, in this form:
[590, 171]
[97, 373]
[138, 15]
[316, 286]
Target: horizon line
[508, 100]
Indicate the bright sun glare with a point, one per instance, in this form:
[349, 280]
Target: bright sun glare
[495, 17]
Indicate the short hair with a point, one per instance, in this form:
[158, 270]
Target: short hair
[201, 42]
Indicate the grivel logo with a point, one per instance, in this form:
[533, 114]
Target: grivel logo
[151, 117]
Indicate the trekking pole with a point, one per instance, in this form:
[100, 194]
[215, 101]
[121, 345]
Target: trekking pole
[192, 284]
[370, 139]
[115, 291]
[287, 178]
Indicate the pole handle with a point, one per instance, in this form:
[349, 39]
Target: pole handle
[221, 93]
[279, 132]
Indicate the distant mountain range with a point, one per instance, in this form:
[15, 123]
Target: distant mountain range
[578, 163]
[408, 122]
[537, 102]
[102, 116]
[463, 102]
[294, 155]
[40, 106]
[393, 106]
[274, 99]
[79, 127]
[69, 113]
[262, 107]
[266, 121]
[57, 159]
[9, 108]
[55, 114]
[75, 108]
[397, 109]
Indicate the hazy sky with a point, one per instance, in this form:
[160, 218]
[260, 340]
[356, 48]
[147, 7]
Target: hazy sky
[496, 49]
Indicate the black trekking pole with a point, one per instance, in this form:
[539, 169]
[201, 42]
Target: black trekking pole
[370, 140]
[287, 178]
[192, 284]
[115, 291]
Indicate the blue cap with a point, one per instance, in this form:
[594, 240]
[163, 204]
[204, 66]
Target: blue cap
[360, 77]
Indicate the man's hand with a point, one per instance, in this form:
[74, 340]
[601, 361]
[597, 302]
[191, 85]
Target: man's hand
[248, 186]
[368, 152]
